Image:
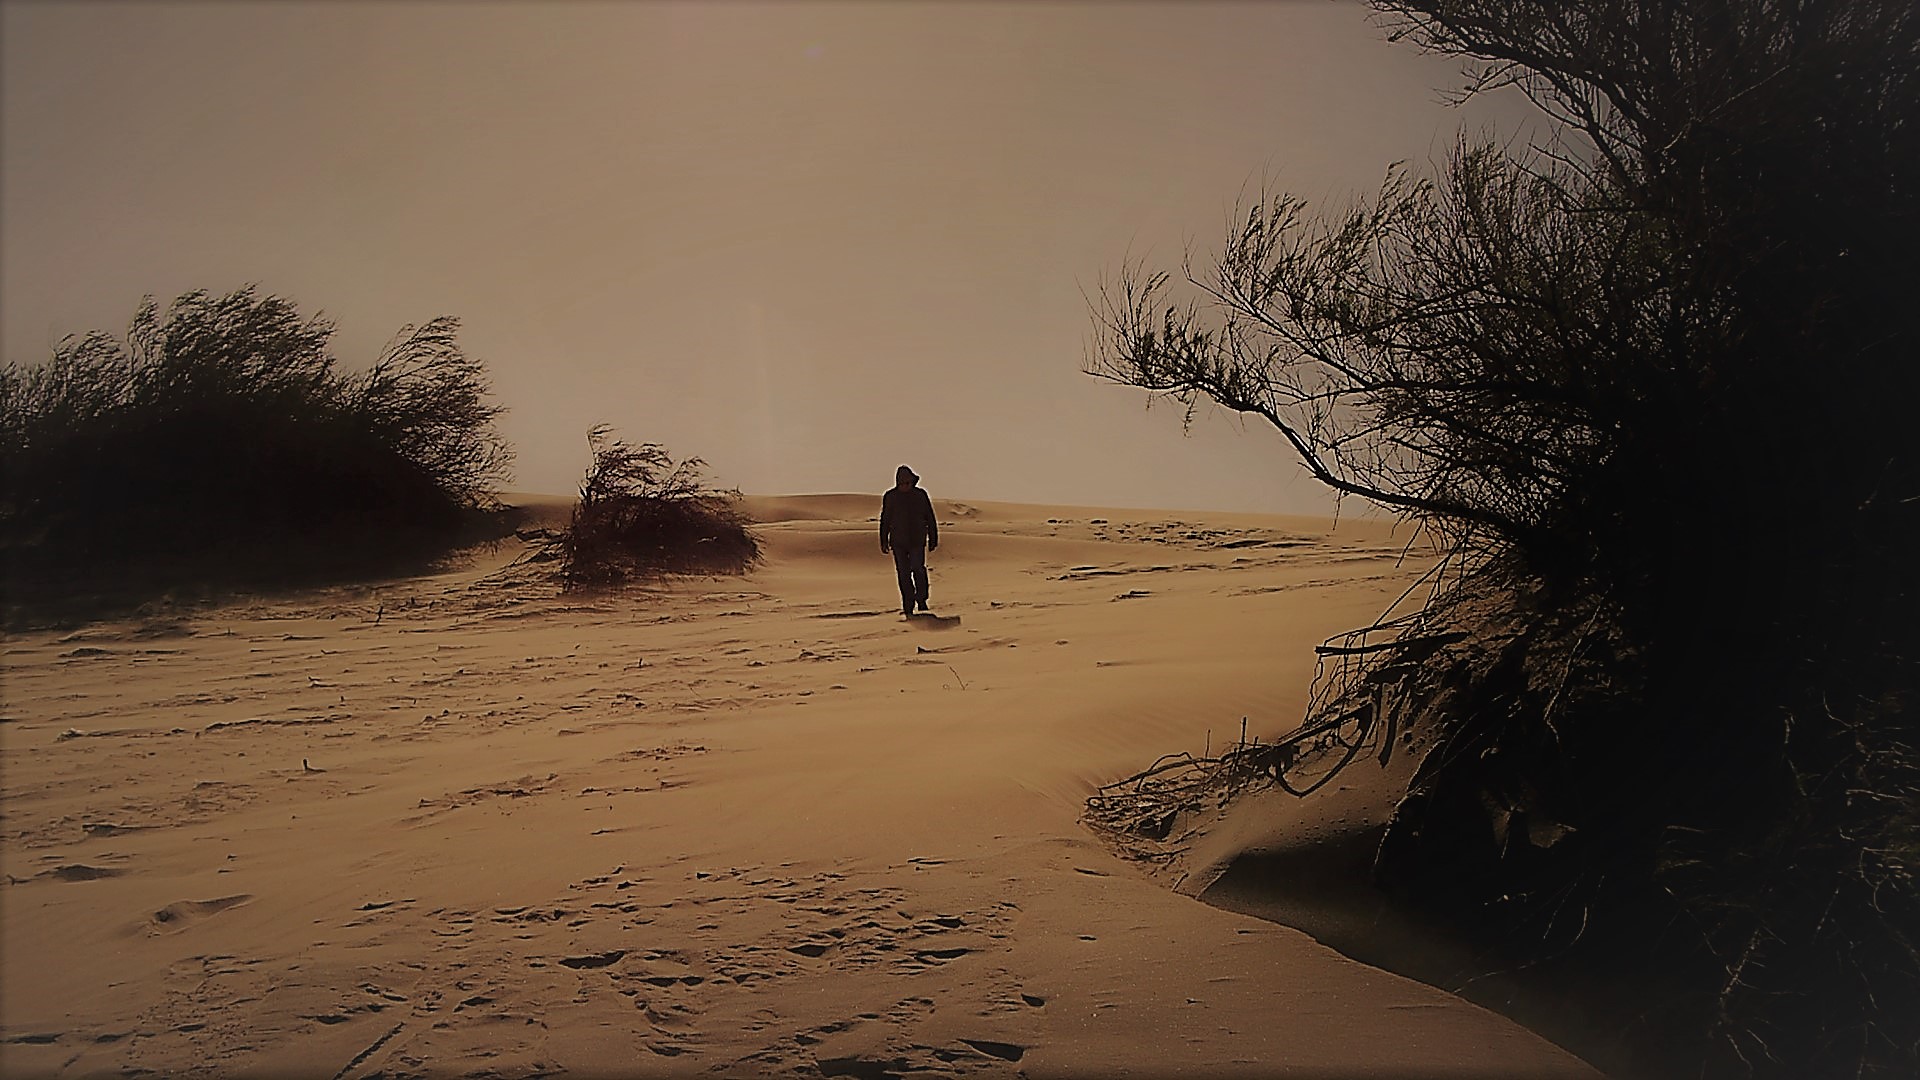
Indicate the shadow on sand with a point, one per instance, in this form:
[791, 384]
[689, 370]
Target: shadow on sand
[1323, 887]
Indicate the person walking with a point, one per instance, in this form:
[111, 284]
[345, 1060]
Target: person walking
[908, 530]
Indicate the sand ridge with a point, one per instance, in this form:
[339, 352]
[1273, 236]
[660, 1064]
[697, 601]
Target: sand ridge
[466, 824]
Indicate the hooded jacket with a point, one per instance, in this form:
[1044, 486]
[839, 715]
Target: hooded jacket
[906, 519]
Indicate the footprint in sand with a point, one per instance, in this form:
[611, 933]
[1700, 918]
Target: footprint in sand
[593, 960]
[877, 1045]
[181, 914]
[95, 829]
[79, 872]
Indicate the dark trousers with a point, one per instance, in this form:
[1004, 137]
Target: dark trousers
[911, 564]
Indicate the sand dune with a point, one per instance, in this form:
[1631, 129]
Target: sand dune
[464, 824]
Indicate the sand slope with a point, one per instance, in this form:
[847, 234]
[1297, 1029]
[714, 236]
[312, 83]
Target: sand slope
[465, 825]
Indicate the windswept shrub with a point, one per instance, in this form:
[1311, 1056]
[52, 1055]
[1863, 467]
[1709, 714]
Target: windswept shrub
[219, 442]
[642, 514]
[1649, 385]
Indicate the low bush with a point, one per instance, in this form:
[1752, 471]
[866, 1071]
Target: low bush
[641, 514]
[218, 443]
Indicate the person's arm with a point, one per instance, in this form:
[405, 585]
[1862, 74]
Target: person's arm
[886, 512]
[933, 524]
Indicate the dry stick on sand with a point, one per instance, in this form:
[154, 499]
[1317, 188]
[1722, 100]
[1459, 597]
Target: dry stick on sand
[368, 1052]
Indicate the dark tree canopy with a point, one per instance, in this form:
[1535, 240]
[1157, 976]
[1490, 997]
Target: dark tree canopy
[1648, 383]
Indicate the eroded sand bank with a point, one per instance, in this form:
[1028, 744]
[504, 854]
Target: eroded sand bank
[462, 824]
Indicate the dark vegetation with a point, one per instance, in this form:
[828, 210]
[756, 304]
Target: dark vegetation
[641, 514]
[219, 445]
[1648, 384]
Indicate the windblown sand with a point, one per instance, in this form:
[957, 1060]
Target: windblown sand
[466, 825]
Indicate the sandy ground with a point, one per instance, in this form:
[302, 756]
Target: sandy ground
[464, 825]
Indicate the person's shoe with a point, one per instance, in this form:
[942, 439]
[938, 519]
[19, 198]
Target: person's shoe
[906, 609]
[923, 603]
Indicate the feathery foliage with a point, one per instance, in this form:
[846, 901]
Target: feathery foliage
[218, 442]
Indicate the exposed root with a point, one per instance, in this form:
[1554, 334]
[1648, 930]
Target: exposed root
[1361, 698]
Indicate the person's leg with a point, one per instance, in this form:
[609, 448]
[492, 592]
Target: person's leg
[920, 577]
[903, 568]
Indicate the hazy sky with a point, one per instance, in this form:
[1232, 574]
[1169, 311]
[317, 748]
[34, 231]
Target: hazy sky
[805, 241]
